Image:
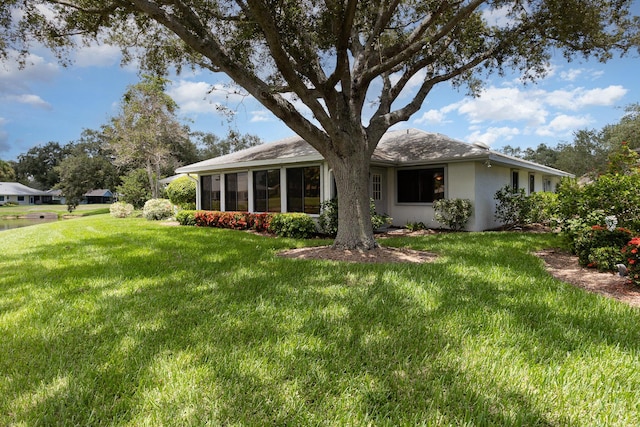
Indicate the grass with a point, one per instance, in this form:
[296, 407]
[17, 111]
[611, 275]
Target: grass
[61, 210]
[132, 323]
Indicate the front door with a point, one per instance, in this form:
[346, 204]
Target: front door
[378, 189]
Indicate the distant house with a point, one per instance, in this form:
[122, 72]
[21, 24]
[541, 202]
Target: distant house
[22, 195]
[410, 169]
[98, 196]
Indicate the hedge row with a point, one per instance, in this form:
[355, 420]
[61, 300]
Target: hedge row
[295, 225]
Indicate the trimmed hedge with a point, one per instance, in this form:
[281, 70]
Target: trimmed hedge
[294, 225]
[233, 220]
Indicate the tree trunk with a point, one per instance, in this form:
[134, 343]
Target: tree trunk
[354, 217]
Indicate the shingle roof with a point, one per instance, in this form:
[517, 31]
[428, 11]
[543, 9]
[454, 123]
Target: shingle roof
[17, 189]
[400, 147]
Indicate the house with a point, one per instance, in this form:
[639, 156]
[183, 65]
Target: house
[409, 170]
[22, 195]
[98, 196]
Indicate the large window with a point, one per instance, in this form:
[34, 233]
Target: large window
[420, 185]
[515, 180]
[266, 190]
[236, 192]
[303, 190]
[210, 192]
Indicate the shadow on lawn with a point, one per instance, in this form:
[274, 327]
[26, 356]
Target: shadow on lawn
[188, 325]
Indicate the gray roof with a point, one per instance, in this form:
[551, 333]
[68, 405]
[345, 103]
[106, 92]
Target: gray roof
[99, 193]
[17, 189]
[397, 148]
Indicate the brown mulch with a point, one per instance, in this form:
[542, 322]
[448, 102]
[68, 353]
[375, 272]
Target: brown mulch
[565, 267]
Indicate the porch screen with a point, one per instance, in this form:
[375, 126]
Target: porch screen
[303, 190]
[420, 185]
[210, 192]
[236, 192]
[266, 190]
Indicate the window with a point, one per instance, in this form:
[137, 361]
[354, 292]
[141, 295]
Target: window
[376, 186]
[420, 185]
[303, 190]
[515, 178]
[236, 192]
[266, 190]
[210, 192]
[546, 184]
[1, 198]
[21, 198]
[532, 183]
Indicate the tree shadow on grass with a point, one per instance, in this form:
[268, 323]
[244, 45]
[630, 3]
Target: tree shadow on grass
[187, 326]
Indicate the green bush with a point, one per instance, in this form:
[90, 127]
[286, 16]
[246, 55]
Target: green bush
[186, 217]
[157, 209]
[589, 243]
[544, 208]
[295, 225]
[182, 192]
[121, 209]
[10, 204]
[328, 219]
[415, 226]
[452, 213]
[513, 207]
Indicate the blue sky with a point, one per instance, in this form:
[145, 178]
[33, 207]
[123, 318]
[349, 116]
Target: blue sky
[47, 102]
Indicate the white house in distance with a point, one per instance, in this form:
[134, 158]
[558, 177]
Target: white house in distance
[409, 170]
[21, 194]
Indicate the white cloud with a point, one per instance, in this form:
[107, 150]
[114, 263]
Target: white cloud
[580, 97]
[571, 74]
[202, 97]
[498, 104]
[493, 134]
[432, 117]
[29, 99]
[260, 116]
[97, 56]
[563, 125]
[14, 79]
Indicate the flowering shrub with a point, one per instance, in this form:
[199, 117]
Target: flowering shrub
[589, 246]
[157, 209]
[631, 254]
[233, 220]
[328, 219]
[121, 209]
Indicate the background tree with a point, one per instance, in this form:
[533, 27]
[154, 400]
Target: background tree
[37, 167]
[135, 188]
[145, 132]
[7, 174]
[86, 167]
[210, 145]
[351, 64]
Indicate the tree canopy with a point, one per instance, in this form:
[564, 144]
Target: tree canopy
[355, 67]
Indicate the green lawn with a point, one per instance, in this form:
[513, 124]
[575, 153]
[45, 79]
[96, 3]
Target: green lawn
[126, 322]
[81, 210]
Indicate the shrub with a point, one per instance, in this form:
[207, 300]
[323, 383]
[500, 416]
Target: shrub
[10, 204]
[121, 209]
[186, 217]
[328, 219]
[415, 226]
[157, 209]
[512, 208]
[452, 213]
[631, 255]
[295, 225]
[600, 237]
[544, 208]
[182, 192]
[233, 220]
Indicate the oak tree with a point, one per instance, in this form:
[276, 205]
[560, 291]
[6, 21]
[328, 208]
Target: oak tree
[338, 73]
